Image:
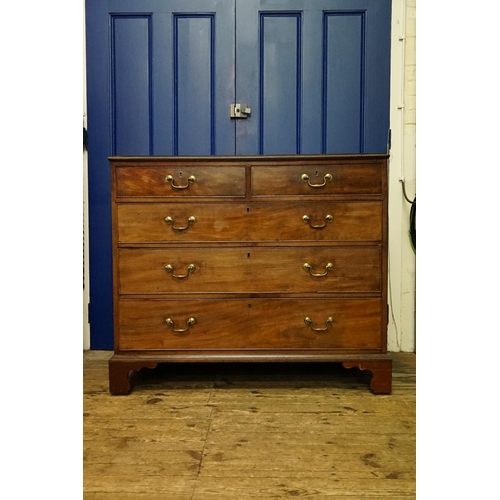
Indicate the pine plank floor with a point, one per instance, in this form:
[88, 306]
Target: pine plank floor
[247, 431]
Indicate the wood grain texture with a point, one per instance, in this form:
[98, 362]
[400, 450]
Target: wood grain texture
[250, 324]
[250, 269]
[151, 181]
[120, 372]
[361, 178]
[214, 271]
[249, 222]
[227, 431]
[381, 382]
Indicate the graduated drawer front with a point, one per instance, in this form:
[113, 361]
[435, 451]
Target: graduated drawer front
[240, 270]
[250, 324]
[280, 221]
[151, 181]
[322, 180]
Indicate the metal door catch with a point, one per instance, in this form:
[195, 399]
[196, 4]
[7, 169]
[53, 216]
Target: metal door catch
[239, 110]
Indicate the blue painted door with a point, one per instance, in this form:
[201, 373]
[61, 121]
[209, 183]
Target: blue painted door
[161, 75]
[316, 75]
[160, 79]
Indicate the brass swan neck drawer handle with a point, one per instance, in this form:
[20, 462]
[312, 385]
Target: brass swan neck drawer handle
[190, 180]
[169, 268]
[307, 219]
[308, 267]
[170, 221]
[326, 178]
[308, 321]
[189, 322]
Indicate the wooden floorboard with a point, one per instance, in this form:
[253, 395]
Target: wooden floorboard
[241, 431]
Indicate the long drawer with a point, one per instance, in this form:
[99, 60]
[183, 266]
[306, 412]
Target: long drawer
[253, 221]
[250, 324]
[250, 270]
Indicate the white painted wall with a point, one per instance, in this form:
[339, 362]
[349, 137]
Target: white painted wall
[401, 330]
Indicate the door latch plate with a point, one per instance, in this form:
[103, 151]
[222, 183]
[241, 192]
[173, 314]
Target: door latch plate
[239, 110]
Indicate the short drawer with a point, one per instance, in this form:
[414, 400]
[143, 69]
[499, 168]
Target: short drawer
[249, 324]
[250, 270]
[313, 180]
[280, 221]
[189, 182]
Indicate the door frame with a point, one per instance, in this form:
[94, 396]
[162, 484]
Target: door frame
[401, 266]
[86, 268]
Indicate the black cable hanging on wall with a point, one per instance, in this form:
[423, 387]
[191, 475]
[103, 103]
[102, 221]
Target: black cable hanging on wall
[413, 218]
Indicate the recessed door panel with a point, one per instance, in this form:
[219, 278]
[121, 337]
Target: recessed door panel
[315, 74]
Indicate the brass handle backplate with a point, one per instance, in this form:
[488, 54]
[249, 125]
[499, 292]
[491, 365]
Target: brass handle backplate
[308, 267]
[189, 322]
[307, 219]
[169, 268]
[308, 321]
[170, 221]
[170, 180]
[326, 178]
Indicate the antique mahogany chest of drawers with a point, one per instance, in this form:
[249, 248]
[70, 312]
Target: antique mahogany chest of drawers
[280, 258]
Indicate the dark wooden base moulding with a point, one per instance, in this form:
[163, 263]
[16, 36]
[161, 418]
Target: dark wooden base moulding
[122, 367]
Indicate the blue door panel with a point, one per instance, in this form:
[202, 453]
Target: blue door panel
[194, 85]
[377, 76]
[162, 89]
[161, 75]
[279, 83]
[312, 82]
[193, 42]
[131, 84]
[343, 82]
[320, 67]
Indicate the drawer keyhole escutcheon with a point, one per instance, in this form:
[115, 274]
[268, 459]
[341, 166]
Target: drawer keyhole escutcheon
[326, 178]
[170, 180]
[308, 321]
[190, 269]
[307, 219]
[308, 267]
[170, 221]
[189, 322]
